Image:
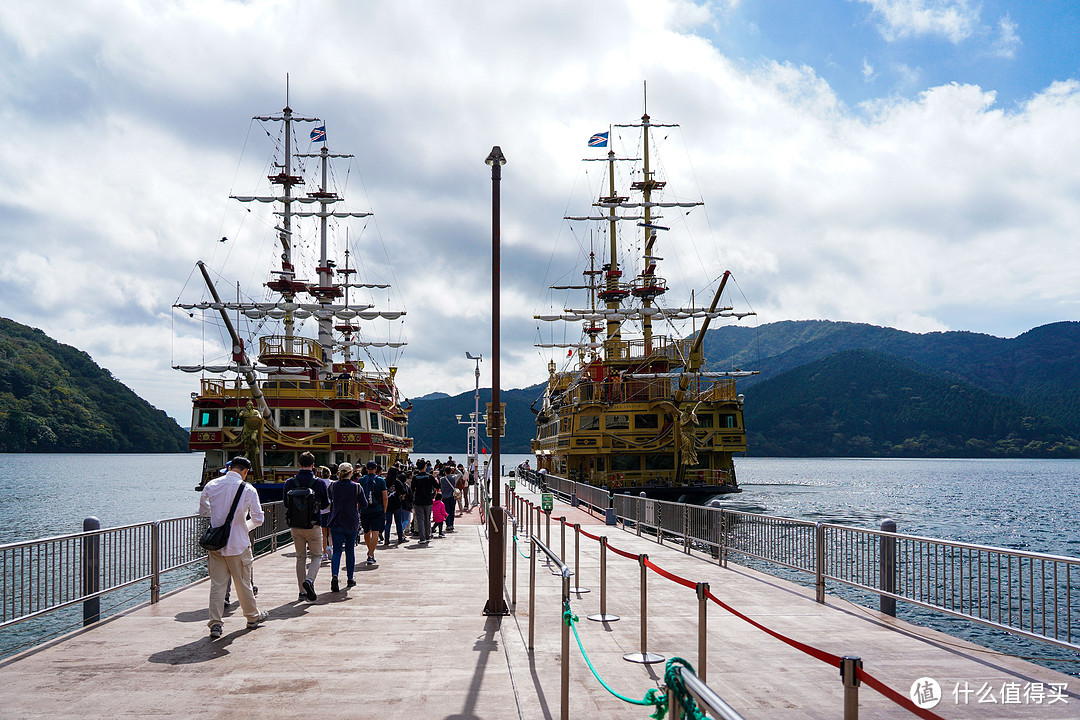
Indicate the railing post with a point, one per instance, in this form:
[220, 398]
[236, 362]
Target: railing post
[848, 666]
[644, 657]
[887, 567]
[658, 516]
[603, 616]
[155, 562]
[640, 511]
[273, 524]
[532, 588]
[703, 630]
[722, 541]
[819, 562]
[91, 570]
[686, 529]
[564, 689]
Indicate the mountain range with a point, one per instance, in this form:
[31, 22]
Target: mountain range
[828, 388]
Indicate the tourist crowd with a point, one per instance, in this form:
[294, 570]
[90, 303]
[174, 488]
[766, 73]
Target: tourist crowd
[330, 511]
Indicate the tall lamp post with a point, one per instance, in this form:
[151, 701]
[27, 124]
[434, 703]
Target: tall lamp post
[496, 522]
[476, 417]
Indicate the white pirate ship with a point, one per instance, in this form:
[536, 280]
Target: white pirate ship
[635, 410]
[276, 392]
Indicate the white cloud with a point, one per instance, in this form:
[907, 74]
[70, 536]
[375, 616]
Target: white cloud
[1008, 41]
[911, 212]
[955, 20]
[868, 71]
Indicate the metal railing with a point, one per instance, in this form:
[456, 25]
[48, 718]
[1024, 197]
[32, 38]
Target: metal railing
[1034, 595]
[38, 577]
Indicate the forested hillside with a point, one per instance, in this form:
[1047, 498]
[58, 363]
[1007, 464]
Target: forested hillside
[864, 403]
[54, 398]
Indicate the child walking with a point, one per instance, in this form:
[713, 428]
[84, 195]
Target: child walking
[438, 514]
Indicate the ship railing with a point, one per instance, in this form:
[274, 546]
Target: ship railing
[39, 577]
[284, 347]
[1033, 595]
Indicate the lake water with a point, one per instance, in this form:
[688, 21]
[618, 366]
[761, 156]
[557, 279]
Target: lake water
[1031, 505]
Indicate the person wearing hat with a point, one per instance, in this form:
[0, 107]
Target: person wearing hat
[373, 517]
[344, 523]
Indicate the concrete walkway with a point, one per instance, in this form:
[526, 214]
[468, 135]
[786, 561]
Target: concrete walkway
[410, 641]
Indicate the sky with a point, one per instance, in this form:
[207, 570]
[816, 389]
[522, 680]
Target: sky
[907, 163]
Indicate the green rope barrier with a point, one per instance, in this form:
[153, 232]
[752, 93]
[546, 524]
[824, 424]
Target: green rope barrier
[652, 697]
[519, 549]
[676, 686]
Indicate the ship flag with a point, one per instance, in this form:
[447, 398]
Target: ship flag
[319, 134]
[598, 140]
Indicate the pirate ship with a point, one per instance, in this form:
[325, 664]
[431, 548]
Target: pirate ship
[277, 391]
[633, 409]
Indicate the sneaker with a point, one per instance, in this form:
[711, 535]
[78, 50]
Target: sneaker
[370, 559]
[351, 583]
[303, 597]
[334, 586]
[442, 535]
[309, 590]
[215, 632]
[252, 624]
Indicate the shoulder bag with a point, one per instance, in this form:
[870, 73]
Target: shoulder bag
[215, 538]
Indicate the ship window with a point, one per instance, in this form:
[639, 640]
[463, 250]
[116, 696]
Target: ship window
[645, 422]
[278, 458]
[589, 422]
[729, 421]
[617, 422]
[291, 418]
[321, 418]
[350, 419]
[663, 461]
[208, 417]
[374, 420]
[231, 418]
[564, 425]
[624, 463]
[600, 463]
[705, 420]
[322, 459]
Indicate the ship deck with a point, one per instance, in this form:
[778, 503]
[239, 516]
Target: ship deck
[411, 641]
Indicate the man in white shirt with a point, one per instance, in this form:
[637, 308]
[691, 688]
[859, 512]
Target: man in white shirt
[233, 560]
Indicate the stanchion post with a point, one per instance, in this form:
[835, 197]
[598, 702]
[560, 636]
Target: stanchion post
[702, 629]
[564, 689]
[644, 657]
[562, 539]
[603, 616]
[547, 527]
[91, 570]
[513, 582]
[887, 567]
[848, 666]
[532, 588]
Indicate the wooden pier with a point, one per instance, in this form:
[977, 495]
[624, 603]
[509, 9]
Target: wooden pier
[410, 641]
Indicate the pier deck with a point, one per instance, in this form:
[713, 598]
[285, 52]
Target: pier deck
[410, 641]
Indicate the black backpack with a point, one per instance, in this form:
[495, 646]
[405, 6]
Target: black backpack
[301, 508]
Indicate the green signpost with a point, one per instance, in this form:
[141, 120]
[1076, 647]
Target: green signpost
[547, 502]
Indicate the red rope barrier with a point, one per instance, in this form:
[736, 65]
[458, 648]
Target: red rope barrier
[670, 576]
[622, 553]
[589, 535]
[821, 655]
[896, 697]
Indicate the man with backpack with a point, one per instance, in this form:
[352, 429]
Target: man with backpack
[304, 496]
[373, 517]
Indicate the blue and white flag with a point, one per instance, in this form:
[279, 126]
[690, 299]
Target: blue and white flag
[598, 140]
[319, 134]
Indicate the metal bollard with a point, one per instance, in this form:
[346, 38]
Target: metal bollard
[564, 689]
[91, 570]
[887, 567]
[532, 588]
[155, 562]
[702, 628]
[848, 665]
[644, 657]
[819, 543]
[603, 614]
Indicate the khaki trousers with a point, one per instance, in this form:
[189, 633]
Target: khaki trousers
[309, 545]
[222, 568]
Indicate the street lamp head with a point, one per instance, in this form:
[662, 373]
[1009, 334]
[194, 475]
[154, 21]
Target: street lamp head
[495, 156]
[458, 418]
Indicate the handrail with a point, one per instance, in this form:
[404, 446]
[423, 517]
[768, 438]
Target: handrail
[704, 695]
